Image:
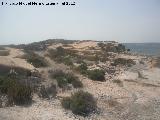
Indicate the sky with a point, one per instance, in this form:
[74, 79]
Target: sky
[119, 20]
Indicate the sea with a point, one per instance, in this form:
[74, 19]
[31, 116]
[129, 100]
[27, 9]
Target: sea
[150, 49]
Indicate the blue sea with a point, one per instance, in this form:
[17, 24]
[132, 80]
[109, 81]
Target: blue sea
[152, 49]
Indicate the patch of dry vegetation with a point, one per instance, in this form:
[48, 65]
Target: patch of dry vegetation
[111, 47]
[12, 84]
[63, 79]
[36, 60]
[80, 103]
[4, 52]
[123, 61]
[112, 103]
[97, 75]
[60, 55]
[157, 62]
[118, 82]
[2, 48]
[6, 70]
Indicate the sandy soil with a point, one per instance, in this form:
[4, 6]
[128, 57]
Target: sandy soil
[14, 59]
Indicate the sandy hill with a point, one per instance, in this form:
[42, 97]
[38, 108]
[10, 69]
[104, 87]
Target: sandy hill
[129, 91]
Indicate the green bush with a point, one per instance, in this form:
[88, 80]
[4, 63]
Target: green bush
[60, 51]
[57, 73]
[57, 53]
[76, 83]
[74, 80]
[82, 68]
[61, 55]
[98, 75]
[120, 48]
[118, 82]
[36, 60]
[60, 76]
[66, 102]
[2, 48]
[17, 93]
[62, 82]
[63, 79]
[4, 52]
[156, 62]
[91, 57]
[22, 94]
[123, 61]
[5, 83]
[111, 47]
[67, 61]
[18, 71]
[80, 103]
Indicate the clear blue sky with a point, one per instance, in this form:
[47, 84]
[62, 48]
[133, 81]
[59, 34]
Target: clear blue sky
[119, 20]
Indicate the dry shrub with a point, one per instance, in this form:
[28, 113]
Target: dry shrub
[80, 103]
[63, 79]
[123, 61]
[118, 82]
[4, 52]
[36, 60]
[18, 94]
[98, 75]
[112, 103]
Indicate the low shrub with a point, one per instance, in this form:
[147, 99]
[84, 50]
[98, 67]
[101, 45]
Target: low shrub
[157, 62]
[61, 55]
[74, 80]
[57, 53]
[118, 82]
[112, 102]
[76, 83]
[111, 47]
[91, 57]
[67, 61]
[18, 94]
[66, 102]
[82, 68]
[123, 61]
[63, 79]
[62, 82]
[98, 75]
[4, 52]
[21, 94]
[80, 103]
[36, 60]
[57, 73]
[79, 61]
[5, 83]
[60, 76]
[18, 72]
[2, 48]
[47, 92]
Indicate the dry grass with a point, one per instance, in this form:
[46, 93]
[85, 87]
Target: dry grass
[2, 48]
[157, 62]
[4, 52]
[118, 82]
[112, 103]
